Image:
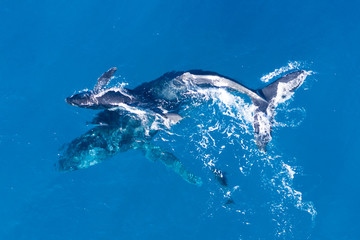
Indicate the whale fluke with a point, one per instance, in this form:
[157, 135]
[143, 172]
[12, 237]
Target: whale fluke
[287, 83]
[277, 92]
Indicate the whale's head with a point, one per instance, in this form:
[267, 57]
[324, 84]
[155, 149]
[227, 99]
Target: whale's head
[101, 100]
[83, 99]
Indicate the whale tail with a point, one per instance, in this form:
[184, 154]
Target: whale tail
[273, 94]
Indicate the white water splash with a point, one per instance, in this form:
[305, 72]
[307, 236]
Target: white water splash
[290, 66]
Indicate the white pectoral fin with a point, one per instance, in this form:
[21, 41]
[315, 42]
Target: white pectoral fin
[222, 82]
[173, 117]
[104, 79]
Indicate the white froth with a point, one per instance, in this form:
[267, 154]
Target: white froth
[291, 172]
[290, 66]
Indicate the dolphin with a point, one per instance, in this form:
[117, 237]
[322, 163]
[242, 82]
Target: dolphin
[168, 93]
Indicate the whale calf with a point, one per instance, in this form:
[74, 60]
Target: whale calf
[167, 95]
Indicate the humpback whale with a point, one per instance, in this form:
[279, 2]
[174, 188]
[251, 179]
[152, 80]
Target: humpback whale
[118, 131]
[167, 94]
[119, 126]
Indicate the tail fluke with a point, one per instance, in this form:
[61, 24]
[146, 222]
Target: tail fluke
[282, 88]
[275, 93]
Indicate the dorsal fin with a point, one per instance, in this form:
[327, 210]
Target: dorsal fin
[104, 79]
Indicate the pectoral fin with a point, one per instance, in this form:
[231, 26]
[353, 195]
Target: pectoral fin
[104, 79]
[174, 117]
[155, 153]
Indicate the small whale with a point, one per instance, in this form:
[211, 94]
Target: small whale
[167, 94]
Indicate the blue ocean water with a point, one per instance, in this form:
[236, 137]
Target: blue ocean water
[305, 187]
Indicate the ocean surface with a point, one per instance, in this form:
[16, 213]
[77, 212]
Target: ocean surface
[304, 187]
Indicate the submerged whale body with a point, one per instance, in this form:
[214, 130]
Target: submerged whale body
[118, 131]
[121, 125]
